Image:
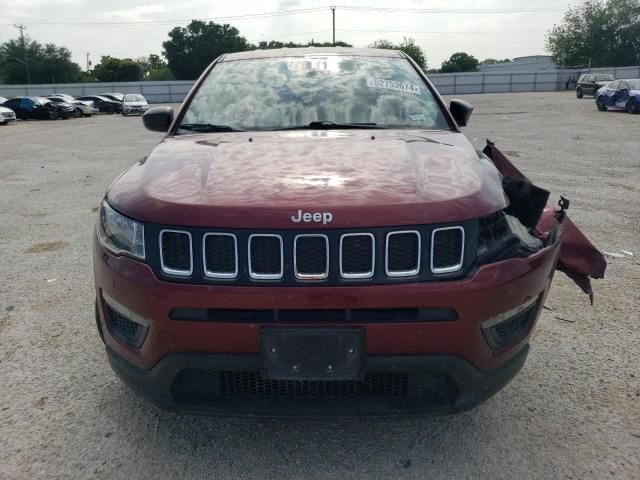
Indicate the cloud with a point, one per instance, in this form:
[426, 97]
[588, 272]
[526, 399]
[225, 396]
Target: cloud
[288, 4]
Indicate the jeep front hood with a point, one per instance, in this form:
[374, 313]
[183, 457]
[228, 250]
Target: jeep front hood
[364, 178]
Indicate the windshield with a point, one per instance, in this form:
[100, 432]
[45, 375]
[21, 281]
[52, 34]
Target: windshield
[134, 97]
[603, 78]
[278, 93]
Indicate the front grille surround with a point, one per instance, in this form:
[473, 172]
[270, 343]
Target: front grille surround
[301, 275]
[219, 274]
[364, 274]
[403, 273]
[262, 275]
[176, 271]
[401, 253]
[453, 267]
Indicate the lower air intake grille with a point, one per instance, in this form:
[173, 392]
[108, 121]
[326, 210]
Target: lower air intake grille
[176, 252]
[447, 249]
[207, 387]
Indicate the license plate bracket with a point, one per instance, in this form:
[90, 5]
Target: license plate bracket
[312, 354]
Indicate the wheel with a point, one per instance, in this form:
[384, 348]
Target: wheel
[77, 113]
[601, 106]
[579, 93]
[633, 106]
[53, 115]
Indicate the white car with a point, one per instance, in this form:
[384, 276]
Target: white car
[6, 115]
[134, 104]
[85, 107]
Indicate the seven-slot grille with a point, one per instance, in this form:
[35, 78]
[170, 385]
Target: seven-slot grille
[306, 257]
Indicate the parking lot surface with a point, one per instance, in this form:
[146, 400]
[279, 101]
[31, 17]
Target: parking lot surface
[572, 412]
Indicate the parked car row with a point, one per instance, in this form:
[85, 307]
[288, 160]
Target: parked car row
[60, 105]
[609, 93]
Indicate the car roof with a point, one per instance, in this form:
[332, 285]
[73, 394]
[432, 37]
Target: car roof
[302, 52]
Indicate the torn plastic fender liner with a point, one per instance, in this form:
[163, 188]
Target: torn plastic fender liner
[579, 259]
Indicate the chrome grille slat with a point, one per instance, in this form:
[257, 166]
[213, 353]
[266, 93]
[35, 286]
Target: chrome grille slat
[262, 257]
[357, 267]
[400, 255]
[447, 249]
[223, 247]
[311, 262]
[169, 250]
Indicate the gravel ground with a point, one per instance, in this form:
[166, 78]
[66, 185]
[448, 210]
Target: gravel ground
[573, 411]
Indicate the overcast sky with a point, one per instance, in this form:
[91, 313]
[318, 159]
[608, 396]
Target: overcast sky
[497, 34]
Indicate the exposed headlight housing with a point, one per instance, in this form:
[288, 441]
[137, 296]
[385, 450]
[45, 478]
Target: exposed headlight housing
[119, 234]
[502, 236]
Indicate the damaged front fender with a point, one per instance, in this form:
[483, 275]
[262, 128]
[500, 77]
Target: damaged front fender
[579, 259]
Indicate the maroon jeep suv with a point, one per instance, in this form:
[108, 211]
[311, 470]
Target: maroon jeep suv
[315, 235]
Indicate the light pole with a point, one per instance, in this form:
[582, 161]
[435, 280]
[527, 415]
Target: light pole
[333, 14]
[22, 28]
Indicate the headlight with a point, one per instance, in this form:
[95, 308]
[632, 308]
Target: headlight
[120, 234]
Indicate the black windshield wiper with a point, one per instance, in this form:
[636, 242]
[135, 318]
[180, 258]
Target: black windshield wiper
[207, 128]
[329, 125]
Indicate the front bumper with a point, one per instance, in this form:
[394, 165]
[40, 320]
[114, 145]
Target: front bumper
[457, 349]
[465, 387]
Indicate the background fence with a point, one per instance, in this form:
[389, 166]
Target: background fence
[447, 84]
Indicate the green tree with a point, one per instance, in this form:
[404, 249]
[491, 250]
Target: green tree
[191, 49]
[493, 61]
[264, 45]
[408, 46]
[112, 69]
[460, 62]
[48, 63]
[154, 68]
[607, 34]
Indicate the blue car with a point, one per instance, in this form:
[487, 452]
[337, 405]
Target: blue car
[619, 95]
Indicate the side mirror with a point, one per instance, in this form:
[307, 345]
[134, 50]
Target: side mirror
[461, 111]
[158, 119]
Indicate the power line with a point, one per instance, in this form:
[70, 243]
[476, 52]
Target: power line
[181, 20]
[449, 10]
[419, 32]
[251, 16]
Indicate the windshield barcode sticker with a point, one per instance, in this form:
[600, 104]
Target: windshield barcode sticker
[393, 85]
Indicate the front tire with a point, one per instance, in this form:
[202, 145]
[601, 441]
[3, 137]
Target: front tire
[579, 93]
[600, 104]
[633, 106]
